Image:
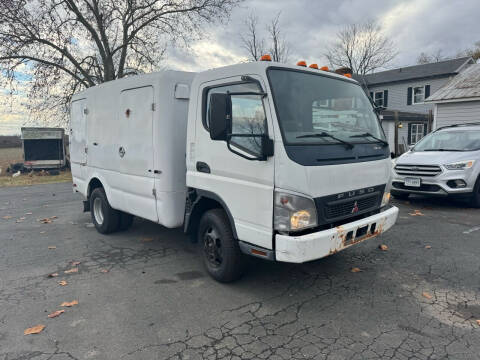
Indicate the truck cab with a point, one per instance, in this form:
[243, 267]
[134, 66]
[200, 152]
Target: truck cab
[285, 163]
[295, 156]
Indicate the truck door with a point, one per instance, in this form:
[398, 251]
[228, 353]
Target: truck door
[78, 131]
[244, 186]
[134, 153]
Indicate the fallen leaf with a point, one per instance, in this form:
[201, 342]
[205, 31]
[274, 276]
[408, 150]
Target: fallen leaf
[383, 247]
[42, 232]
[73, 270]
[53, 217]
[52, 247]
[147, 239]
[70, 304]
[427, 295]
[416, 213]
[34, 330]
[355, 270]
[29, 213]
[428, 247]
[104, 271]
[22, 218]
[56, 313]
[478, 322]
[53, 275]
[75, 263]
[6, 217]
[63, 283]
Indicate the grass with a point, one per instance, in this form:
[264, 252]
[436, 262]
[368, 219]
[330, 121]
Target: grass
[13, 155]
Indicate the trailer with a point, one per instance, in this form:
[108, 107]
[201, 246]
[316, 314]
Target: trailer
[285, 163]
[43, 148]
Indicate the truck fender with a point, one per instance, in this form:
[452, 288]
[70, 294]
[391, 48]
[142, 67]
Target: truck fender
[197, 203]
[95, 177]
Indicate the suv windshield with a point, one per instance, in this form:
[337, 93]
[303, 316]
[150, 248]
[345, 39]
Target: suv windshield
[317, 109]
[450, 140]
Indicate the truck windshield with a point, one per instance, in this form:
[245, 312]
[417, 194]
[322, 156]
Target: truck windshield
[310, 106]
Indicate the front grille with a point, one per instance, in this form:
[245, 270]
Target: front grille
[423, 187]
[351, 207]
[418, 170]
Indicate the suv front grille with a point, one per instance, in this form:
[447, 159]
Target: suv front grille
[418, 170]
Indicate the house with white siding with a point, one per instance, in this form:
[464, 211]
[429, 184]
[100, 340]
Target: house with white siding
[403, 92]
[458, 101]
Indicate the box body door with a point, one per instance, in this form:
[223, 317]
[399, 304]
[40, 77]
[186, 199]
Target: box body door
[78, 133]
[133, 154]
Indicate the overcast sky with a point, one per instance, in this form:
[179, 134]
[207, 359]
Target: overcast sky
[309, 26]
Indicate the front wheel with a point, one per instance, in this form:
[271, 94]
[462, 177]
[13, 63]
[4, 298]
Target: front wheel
[104, 217]
[221, 254]
[475, 198]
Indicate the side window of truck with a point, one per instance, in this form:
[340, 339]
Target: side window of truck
[248, 116]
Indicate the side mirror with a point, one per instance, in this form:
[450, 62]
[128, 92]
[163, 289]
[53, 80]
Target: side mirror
[219, 113]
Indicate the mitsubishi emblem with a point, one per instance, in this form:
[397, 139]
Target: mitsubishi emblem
[355, 208]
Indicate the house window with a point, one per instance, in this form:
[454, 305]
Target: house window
[417, 131]
[378, 98]
[418, 94]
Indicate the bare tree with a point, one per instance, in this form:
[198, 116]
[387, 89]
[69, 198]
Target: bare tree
[361, 47]
[63, 46]
[252, 42]
[279, 48]
[437, 56]
[473, 52]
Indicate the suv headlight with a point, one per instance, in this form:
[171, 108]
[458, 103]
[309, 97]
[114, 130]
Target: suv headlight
[460, 165]
[293, 212]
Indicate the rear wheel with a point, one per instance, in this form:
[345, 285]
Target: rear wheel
[104, 217]
[221, 253]
[400, 195]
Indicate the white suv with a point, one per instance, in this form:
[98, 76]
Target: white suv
[445, 162]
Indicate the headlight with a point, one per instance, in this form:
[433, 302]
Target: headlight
[293, 212]
[461, 165]
[385, 198]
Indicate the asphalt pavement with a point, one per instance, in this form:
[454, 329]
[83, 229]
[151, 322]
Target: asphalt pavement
[143, 293]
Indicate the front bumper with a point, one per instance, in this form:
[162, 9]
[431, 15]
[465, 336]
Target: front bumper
[437, 185]
[299, 249]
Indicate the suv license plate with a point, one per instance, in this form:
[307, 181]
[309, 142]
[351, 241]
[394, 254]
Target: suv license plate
[414, 182]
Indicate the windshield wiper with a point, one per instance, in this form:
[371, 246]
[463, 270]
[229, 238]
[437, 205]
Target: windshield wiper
[442, 150]
[370, 135]
[325, 134]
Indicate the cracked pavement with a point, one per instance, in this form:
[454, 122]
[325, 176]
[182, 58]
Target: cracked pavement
[143, 293]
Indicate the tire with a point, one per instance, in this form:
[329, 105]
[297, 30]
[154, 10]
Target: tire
[221, 254]
[400, 195]
[105, 219]
[475, 198]
[126, 221]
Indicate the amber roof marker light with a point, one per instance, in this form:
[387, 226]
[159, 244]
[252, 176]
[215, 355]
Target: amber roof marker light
[266, 58]
[302, 63]
[325, 68]
[313, 66]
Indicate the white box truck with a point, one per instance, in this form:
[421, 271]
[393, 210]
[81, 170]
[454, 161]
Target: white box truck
[286, 163]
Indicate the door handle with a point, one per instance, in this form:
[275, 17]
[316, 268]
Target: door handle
[203, 167]
[121, 151]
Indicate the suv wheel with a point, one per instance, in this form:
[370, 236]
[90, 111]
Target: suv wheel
[475, 199]
[221, 254]
[104, 217]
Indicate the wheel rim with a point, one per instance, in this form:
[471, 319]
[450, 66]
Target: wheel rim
[98, 210]
[212, 247]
